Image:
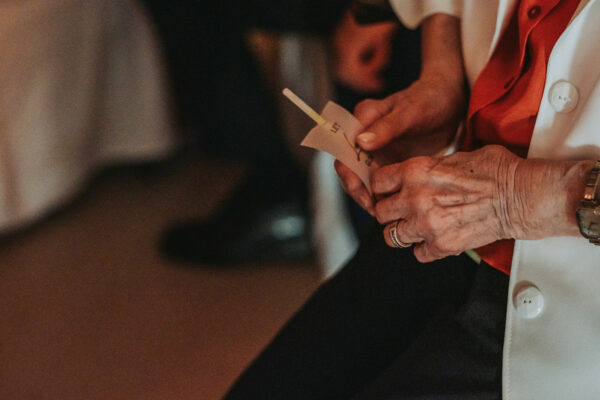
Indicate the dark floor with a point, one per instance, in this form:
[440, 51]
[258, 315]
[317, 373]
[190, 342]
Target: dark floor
[89, 309]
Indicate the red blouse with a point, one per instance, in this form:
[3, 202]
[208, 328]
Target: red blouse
[506, 96]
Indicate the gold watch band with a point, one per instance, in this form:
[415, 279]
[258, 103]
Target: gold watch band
[592, 184]
[588, 215]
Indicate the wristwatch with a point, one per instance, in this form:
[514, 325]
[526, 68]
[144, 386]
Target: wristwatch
[588, 214]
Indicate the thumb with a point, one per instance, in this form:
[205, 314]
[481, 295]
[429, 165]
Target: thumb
[385, 120]
[368, 112]
[384, 130]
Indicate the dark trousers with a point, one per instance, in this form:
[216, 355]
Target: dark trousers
[388, 327]
[220, 93]
[216, 79]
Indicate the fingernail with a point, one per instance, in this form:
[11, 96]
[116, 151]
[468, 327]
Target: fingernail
[366, 137]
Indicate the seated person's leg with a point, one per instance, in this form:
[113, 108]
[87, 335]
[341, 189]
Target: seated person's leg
[223, 97]
[458, 355]
[356, 324]
[222, 93]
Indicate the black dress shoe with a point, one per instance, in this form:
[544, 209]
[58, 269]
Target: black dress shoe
[266, 219]
[280, 233]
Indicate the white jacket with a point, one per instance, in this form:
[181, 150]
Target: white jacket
[552, 340]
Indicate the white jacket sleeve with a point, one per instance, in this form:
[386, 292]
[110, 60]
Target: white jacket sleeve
[413, 12]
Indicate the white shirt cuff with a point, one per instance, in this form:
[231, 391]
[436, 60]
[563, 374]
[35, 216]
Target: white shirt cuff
[413, 12]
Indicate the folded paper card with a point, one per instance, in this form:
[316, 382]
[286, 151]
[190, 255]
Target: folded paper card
[335, 134]
[338, 139]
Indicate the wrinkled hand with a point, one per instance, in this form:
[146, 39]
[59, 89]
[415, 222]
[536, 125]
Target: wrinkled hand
[361, 53]
[445, 205]
[463, 201]
[420, 120]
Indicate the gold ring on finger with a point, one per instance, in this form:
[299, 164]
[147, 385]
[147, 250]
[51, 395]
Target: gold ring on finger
[393, 233]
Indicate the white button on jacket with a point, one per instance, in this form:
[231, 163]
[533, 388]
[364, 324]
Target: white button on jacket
[528, 301]
[551, 345]
[564, 96]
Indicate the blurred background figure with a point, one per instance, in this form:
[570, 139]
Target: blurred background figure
[79, 91]
[228, 108]
[90, 309]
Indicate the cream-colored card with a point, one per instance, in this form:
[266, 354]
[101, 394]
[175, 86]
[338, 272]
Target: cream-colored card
[338, 139]
[335, 134]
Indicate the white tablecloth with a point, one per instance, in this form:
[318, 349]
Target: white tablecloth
[81, 83]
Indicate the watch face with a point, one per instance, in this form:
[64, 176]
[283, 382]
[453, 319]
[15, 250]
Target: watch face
[589, 223]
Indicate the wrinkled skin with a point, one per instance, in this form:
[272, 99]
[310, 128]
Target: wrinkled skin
[420, 120]
[445, 205]
[466, 200]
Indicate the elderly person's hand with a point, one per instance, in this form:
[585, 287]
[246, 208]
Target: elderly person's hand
[420, 120]
[451, 204]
